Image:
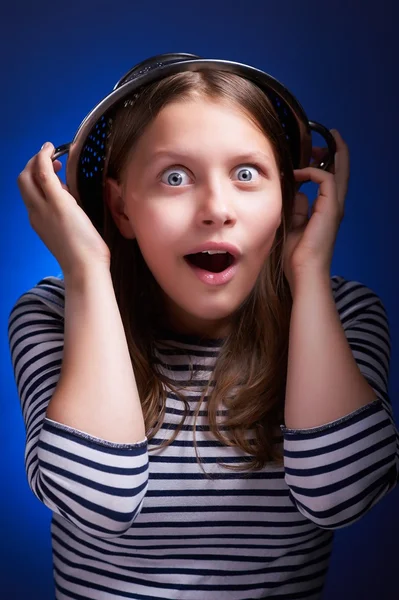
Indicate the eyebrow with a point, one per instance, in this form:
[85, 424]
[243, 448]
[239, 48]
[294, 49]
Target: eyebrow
[242, 157]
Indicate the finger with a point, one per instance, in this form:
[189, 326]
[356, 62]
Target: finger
[313, 174]
[30, 189]
[31, 192]
[342, 153]
[57, 164]
[340, 143]
[29, 166]
[44, 172]
[342, 166]
[300, 213]
[326, 181]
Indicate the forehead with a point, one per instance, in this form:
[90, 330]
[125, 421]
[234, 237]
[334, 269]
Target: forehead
[206, 124]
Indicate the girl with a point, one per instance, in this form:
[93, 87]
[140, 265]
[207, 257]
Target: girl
[204, 404]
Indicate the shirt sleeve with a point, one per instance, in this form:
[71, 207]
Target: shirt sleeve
[97, 485]
[338, 471]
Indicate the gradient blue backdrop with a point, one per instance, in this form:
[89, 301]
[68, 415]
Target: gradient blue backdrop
[339, 58]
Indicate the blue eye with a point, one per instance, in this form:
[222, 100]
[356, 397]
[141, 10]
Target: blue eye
[247, 173]
[175, 177]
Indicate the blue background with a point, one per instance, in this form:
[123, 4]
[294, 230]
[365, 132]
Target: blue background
[339, 59]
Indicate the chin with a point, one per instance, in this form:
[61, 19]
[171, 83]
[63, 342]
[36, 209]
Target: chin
[213, 310]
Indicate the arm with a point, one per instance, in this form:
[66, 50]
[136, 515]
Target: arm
[340, 441]
[86, 452]
[97, 390]
[324, 382]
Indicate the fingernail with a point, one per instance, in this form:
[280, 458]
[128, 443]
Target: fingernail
[45, 145]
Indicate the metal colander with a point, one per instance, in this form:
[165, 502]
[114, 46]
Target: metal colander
[87, 151]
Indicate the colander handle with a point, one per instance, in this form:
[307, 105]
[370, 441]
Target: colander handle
[60, 151]
[331, 145]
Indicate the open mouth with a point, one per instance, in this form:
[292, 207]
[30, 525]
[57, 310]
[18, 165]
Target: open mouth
[214, 262]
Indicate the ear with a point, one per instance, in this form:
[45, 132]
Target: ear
[115, 203]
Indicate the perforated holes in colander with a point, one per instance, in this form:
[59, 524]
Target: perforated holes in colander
[91, 168]
[290, 126]
[93, 154]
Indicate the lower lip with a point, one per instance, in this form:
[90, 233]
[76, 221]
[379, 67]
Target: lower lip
[214, 278]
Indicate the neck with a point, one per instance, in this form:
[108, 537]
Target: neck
[181, 322]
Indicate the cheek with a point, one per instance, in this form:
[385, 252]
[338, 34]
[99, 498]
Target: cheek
[161, 232]
[262, 222]
[158, 219]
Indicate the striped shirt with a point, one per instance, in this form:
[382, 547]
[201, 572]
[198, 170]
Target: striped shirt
[135, 521]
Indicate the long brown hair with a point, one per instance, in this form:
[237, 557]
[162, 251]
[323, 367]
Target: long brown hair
[250, 372]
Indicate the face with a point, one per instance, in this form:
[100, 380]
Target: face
[202, 177]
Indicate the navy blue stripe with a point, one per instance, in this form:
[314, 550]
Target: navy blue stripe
[98, 509]
[185, 368]
[368, 348]
[365, 363]
[67, 512]
[75, 596]
[231, 536]
[188, 443]
[309, 594]
[237, 475]
[89, 483]
[37, 415]
[174, 426]
[50, 282]
[181, 586]
[308, 537]
[32, 382]
[196, 383]
[38, 308]
[55, 333]
[131, 551]
[377, 322]
[225, 493]
[349, 288]
[339, 464]
[31, 399]
[193, 352]
[378, 484]
[90, 442]
[342, 483]
[325, 450]
[317, 432]
[192, 413]
[226, 508]
[230, 523]
[204, 459]
[331, 526]
[215, 558]
[95, 465]
[384, 338]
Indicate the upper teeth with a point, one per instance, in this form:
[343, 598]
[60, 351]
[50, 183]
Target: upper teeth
[214, 252]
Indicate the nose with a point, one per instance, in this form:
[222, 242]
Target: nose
[215, 206]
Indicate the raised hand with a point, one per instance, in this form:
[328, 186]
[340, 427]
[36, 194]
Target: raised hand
[57, 218]
[310, 243]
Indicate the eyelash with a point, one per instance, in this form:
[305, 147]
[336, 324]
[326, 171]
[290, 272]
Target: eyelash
[255, 165]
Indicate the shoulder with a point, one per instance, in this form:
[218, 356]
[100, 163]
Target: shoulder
[48, 294]
[354, 299]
